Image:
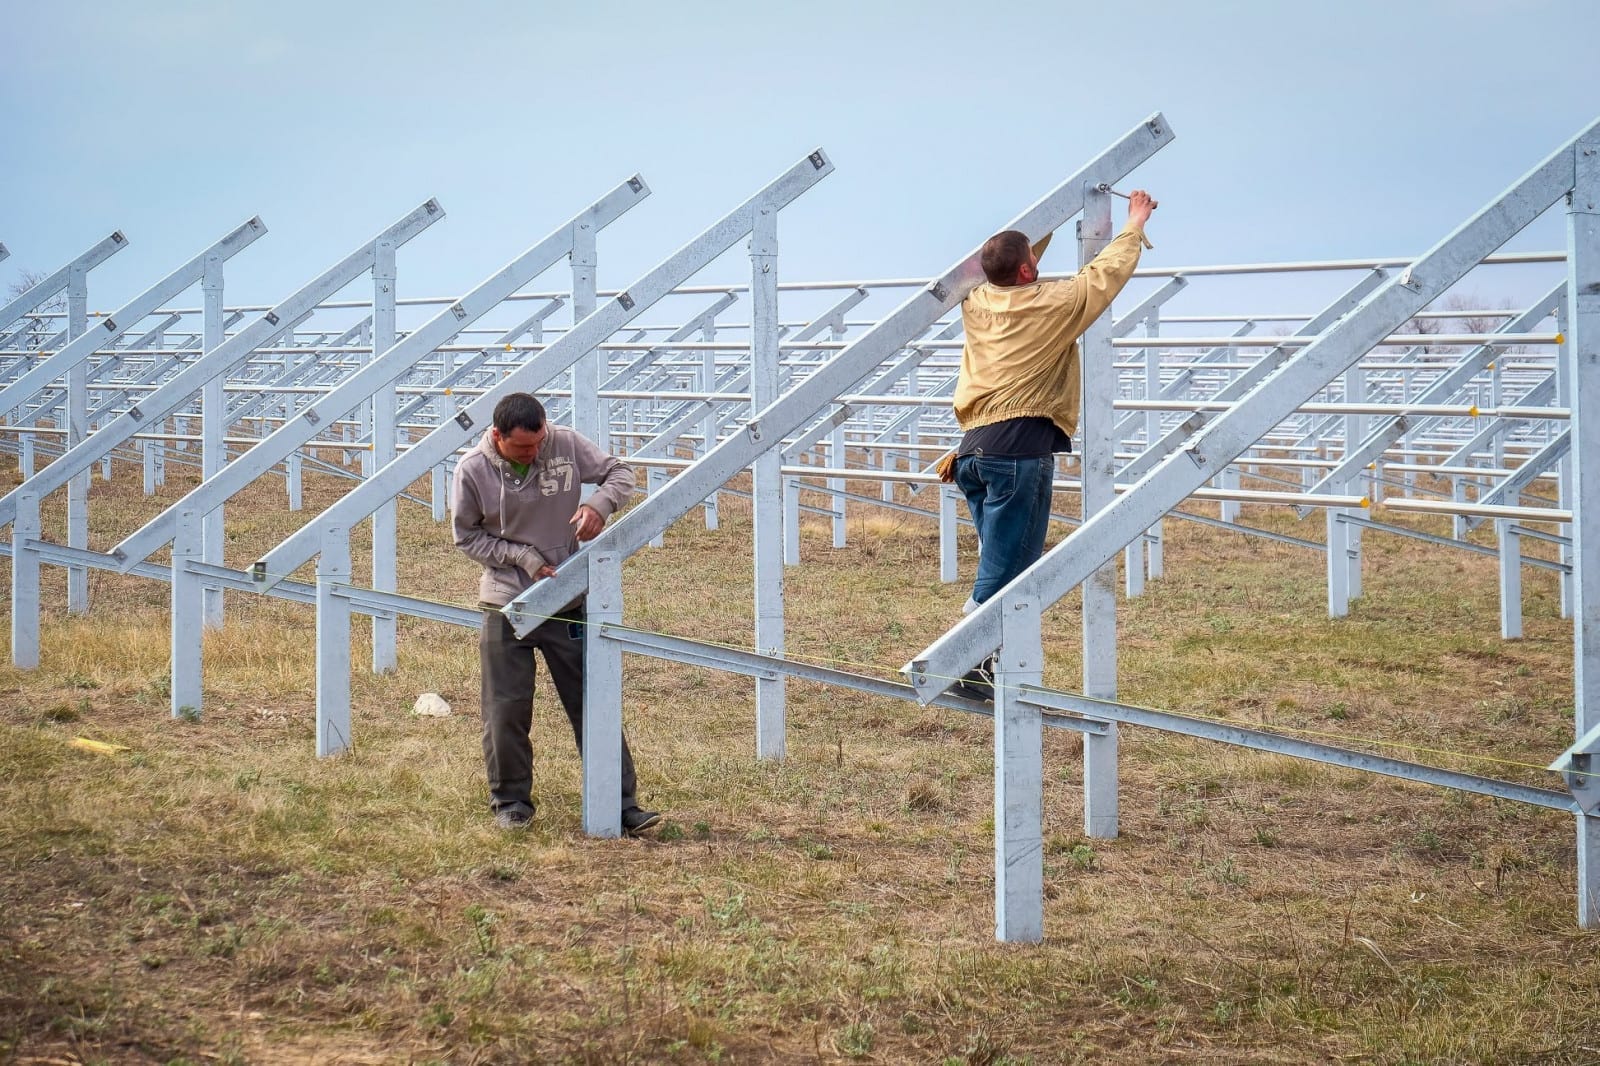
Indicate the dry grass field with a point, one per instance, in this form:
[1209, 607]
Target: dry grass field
[214, 893]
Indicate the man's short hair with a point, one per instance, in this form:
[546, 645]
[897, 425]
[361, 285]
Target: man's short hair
[518, 410]
[1003, 255]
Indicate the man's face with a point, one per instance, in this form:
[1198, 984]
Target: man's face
[520, 446]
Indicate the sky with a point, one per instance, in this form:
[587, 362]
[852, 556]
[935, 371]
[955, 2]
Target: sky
[1303, 130]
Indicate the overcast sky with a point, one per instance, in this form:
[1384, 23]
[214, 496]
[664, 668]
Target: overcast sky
[1309, 130]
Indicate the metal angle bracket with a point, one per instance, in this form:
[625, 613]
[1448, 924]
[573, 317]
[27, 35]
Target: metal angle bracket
[1581, 771]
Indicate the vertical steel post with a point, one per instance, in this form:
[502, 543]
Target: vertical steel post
[708, 430]
[1155, 536]
[602, 700]
[1228, 510]
[25, 583]
[1134, 552]
[76, 412]
[294, 481]
[1510, 579]
[1583, 339]
[385, 520]
[1338, 563]
[333, 643]
[1355, 431]
[213, 428]
[654, 478]
[766, 485]
[439, 476]
[836, 459]
[949, 527]
[1496, 398]
[1566, 499]
[586, 371]
[188, 616]
[1018, 777]
[1097, 469]
[791, 521]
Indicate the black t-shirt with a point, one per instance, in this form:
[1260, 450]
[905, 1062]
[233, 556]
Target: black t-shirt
[1016, 438]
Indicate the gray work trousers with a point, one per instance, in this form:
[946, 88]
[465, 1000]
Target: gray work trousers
[508, 683]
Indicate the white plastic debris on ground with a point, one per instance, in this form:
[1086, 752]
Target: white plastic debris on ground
[431, 705]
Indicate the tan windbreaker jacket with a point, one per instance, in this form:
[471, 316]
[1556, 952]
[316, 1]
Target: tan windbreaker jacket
[1021, 354]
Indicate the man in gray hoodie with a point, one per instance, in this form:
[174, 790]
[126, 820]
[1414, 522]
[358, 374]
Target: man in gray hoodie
[517, 512]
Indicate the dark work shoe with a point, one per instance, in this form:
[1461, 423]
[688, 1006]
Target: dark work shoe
[636, 820]
[512, 818]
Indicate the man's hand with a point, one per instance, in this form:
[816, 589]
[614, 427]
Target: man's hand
[1139, 207]
[587, 523]
[543, 572]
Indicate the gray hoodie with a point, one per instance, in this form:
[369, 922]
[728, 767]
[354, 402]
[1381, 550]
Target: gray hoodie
[513, 525]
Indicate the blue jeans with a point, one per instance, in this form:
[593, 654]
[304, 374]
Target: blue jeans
[1010, 503]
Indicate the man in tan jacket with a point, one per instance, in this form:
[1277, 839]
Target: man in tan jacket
[1017, 396]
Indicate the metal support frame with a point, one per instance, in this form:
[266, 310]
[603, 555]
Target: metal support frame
[189, 611]
[741, 415]
[124, 318]
[381, 371]
[585, 336]
[176, 391]
[635, 529]
[1073, 561]
[1179, 474]
[48, 286]
[557, 357]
